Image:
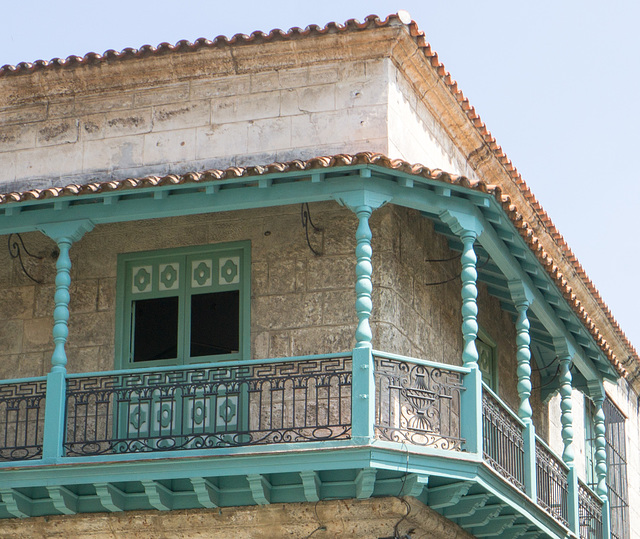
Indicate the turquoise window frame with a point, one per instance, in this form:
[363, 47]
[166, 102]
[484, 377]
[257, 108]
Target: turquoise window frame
[226, 268]
[484, 339]
[590, 442]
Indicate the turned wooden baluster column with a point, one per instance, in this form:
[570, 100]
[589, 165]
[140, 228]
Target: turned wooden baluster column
[597, 394]
[468, 227]
[523, 298]
[565, 354]
[363, 202]
[64, 234]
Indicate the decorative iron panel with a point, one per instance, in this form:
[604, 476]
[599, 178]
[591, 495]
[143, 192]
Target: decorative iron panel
[552, 484]
[590, 513]
[189, 408]
[417, 404]
[502, 441]
[22, 419]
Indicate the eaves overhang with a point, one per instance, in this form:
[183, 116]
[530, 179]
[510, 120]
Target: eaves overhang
[320, 179]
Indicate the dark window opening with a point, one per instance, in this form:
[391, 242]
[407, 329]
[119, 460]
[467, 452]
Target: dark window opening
[155, 333]
[215, 323]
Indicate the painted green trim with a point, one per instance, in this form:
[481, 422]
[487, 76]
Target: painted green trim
[471, 406]
[485, 339]
[182, 258]
[362, 396]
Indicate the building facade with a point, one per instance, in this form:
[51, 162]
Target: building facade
[235, 302]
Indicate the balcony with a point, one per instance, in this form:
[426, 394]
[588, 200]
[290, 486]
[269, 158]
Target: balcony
[298, 431]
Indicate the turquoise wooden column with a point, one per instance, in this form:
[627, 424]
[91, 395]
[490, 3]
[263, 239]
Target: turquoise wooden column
[468, 227]
[596, 392]
[64, 234]
[523, 298]
[363, 202]
[565, 354]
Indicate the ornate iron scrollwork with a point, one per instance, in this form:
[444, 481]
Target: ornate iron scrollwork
[417, 404]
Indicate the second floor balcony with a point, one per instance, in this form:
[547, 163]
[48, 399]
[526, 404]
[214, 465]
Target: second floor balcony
[352, 425]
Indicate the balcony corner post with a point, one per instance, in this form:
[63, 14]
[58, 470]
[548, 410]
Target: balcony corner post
[363, 202]
[468, 227]
[64, 234]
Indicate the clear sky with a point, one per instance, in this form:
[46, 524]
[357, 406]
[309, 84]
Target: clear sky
[556, 82]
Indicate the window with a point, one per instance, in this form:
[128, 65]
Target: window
[487, 359]
[616, 470]
[182, 306]
[616, 445]
[590, 442]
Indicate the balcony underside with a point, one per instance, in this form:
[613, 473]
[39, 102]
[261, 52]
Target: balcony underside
[465, 492]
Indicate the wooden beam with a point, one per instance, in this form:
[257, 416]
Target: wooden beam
[16, 503]
[466, 507]
[63, 500]
[207, 493]
[447, 495]
[111, 497]
[311, 485]
[260, 489]
[365, 483]
[481, 517]
[159, 496]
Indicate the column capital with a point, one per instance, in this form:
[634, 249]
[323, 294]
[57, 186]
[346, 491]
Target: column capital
[359, 197]
[70, 230]
[521, 293]
[563, 348]
[595, 390]
[462, 223]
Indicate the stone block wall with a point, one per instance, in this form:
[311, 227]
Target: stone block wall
[301, 304]
[199, 123]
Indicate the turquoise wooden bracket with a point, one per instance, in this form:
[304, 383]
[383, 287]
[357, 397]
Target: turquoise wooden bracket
[64, 234]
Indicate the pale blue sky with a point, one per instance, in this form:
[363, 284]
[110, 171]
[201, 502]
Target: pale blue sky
[556, 82]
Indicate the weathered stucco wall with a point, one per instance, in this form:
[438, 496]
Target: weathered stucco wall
[357, 519]
[416, 134]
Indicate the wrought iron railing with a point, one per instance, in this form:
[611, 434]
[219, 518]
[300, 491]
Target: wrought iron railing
[22, 419]
[209, 406]
[418, 403]
[590, 513]
[502, 440]
[552, 483]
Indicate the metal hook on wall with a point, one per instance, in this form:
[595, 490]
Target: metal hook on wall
[15, 251]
